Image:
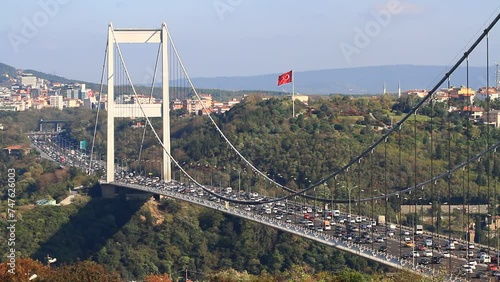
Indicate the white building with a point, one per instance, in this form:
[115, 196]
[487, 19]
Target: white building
[482, 94]
[28, 80]
[56, 101]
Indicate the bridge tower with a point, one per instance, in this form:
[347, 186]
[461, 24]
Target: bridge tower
[144, 36]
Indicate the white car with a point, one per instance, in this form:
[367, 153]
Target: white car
[472, 262]
[466, 268]
[428, 253]
[414, 254]
[445, 254]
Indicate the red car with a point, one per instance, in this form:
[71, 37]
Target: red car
[492, 267]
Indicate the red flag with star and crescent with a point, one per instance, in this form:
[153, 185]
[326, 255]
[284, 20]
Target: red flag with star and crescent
[285, 78]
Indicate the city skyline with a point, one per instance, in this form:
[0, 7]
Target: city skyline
[241, 38]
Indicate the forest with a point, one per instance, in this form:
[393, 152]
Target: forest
[137, 238]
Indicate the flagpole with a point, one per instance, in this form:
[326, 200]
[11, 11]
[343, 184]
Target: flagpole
[293, 96]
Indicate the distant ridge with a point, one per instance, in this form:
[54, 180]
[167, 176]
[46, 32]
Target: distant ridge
[359, 80]
[11, 71]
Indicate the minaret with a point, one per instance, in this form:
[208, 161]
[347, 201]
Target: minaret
[385, 90]
[399, 89]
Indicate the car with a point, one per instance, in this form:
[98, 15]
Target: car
[482, 275]
[428, 243]
[382, 248]
[466, 269]
[414, 254]
[405, 256]
[424, 261]
[492, 267]
[436, 259]
[437, 246]
[410, 244]
[472, 264]
[485, 258]
[380, 239]
[445, 254]
[427, 253]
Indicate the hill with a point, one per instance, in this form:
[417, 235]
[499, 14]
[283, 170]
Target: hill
[359, 80]
[6, 70]
[11, 71]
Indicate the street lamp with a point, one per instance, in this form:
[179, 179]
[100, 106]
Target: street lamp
[349, 195]
[239, 180]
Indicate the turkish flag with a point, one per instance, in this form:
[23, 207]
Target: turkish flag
[285, 78]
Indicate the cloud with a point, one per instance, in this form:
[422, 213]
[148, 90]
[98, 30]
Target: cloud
[410, 8]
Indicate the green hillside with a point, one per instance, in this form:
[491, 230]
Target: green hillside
[6, 69]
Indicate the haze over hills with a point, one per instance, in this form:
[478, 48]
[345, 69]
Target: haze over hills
[358, 80]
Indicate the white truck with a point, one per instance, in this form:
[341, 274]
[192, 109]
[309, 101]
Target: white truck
[419, 229]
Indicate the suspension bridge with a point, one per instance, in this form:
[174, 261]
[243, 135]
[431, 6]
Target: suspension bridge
[352, 195]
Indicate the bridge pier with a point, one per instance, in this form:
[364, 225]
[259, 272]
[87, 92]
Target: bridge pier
[108, 191]
[111, 191]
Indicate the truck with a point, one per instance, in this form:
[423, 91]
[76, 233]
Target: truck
[326, 225]
[419, 229]
[381, 220]
[336, 213]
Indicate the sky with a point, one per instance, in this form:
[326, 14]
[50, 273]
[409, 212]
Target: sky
[246, 37]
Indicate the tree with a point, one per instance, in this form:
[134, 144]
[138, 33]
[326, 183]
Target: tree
[158, 278]
[84, 271]
[22, 269]
[349, 275]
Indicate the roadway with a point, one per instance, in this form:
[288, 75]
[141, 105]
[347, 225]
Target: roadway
[289, 217]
